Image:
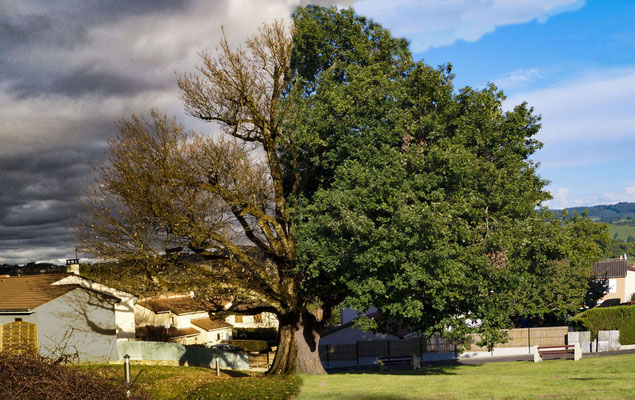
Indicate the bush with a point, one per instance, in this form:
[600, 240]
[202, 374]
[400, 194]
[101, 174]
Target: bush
[250, 345]
[619, 317]
[30, 376]
[268, 334]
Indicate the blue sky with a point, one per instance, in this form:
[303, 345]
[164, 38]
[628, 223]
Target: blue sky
[574, 61]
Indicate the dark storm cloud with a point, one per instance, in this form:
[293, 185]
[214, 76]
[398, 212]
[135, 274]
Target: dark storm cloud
[68, 70]
[47, 28]
[38, 200]
[87, 80]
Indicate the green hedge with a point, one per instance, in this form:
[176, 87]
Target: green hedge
[601, 319]
[268, 334]
[250, 345]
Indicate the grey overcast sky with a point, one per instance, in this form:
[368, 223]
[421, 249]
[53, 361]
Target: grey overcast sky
[68, 70]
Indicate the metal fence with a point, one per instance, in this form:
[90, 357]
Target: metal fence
[525, 337]
[383, 348]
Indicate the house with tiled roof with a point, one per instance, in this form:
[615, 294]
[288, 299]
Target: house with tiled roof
[621, 279]
[57, 319]
[184, 319]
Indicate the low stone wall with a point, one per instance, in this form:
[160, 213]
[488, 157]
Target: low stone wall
[606, 341]
[174, 353]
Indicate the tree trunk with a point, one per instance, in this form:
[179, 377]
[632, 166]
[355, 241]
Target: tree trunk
[297, 346]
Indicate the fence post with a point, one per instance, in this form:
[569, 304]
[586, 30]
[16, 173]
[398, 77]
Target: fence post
[357, 351]
[126, 373]
[597, 342]
[328, 349]
[529, 339]
[425, 345]
[388, 345]
[126, 368]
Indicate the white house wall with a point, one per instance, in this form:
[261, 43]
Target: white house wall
[269, 320]
[124, 310]
[146, 317]
[79, 322]
[183, 321]
[629, 285]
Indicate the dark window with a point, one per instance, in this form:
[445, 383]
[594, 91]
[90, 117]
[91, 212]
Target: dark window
[18, 319]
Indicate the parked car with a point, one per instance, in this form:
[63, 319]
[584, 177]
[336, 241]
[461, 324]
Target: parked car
[226, 347]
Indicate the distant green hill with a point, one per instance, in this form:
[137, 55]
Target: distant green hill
[606, 213]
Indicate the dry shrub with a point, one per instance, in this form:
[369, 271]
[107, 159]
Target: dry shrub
[30, 376]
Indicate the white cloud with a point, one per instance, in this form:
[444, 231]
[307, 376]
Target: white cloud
[586, 121]
[435, 23]
[563, 198]
[560, 198]
[520, 78]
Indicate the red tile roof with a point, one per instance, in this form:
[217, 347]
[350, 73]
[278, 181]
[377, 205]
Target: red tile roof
[25, 293]
[610, 269]
[211, 324]
[178, 305]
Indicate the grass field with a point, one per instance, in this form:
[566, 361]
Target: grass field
[623, 231]
[590, 378]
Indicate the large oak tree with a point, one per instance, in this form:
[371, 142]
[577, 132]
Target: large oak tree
[346, 172]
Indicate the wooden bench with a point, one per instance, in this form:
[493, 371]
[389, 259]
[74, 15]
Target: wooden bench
[562, 350]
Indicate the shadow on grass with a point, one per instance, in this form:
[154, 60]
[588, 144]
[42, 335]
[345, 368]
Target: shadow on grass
[235, 374]
[446, 369]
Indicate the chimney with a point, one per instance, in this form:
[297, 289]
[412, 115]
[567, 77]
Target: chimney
[72, 266]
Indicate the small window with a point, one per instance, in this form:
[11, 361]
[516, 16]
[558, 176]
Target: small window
[239, 319]
[258, 318]
[18, 319]
[218, 336]
[171, 320]
[612, 285]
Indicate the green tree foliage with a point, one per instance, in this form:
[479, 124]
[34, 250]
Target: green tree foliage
[421, 199]
[375, 182]
[620, 247]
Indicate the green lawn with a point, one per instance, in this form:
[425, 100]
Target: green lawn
[590, 378]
